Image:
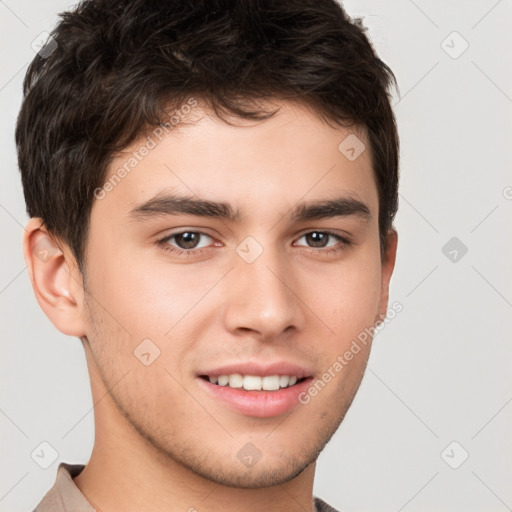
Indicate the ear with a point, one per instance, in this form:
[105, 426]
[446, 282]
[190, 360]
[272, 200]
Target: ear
[55, 278]
[388, 264]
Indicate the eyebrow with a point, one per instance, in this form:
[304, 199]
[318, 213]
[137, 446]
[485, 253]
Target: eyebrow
[173, 204]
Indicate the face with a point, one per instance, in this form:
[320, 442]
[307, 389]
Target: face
[258, 291]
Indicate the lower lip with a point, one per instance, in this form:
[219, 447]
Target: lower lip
[260, 404]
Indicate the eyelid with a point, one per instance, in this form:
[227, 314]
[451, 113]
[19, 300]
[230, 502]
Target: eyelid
[333, 234]
[330, 231]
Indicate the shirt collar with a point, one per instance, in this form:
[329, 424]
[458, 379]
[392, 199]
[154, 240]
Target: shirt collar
[65, 496]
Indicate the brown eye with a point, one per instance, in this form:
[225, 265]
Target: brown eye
[317, 239]
[185, 242]
[320, 240]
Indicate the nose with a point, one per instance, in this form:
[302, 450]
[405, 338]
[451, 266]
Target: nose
[261, 298]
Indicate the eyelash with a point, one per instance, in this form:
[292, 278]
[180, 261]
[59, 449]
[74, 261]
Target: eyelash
[163, 242]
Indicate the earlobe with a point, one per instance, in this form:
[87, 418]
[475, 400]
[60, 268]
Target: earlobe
[55, 278]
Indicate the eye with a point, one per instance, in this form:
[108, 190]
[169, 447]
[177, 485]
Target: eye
[187, 242]
[320, 239]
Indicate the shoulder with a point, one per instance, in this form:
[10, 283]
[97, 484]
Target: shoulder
[64, 495]
[322, 506]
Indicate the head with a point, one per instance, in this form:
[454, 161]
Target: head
[214, 184]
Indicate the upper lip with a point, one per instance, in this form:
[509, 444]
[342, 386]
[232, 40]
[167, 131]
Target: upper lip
[261, 369]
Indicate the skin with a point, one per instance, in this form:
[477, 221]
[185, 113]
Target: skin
[161, 442]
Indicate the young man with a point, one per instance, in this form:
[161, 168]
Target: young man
[212, 187]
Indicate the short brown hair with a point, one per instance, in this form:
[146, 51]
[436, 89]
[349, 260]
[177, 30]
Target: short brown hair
[117, 67]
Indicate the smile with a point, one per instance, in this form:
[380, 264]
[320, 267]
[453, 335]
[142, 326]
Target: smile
[254, 382]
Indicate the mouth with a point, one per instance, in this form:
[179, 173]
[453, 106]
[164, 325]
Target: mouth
[269, 383]
[257, 390]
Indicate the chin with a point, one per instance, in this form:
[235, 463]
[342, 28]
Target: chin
[255, 477]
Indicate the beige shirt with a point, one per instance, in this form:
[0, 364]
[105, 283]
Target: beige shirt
[65, 496]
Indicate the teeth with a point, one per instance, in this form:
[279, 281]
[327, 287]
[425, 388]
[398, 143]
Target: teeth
[236, 380]
[270, 382]
[223, 380]
[254, 382]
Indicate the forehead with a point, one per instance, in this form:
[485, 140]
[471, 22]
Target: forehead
[259, 166]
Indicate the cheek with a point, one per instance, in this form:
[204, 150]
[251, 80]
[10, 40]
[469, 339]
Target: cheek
[143, 299]
[348, 294]
[146, 299]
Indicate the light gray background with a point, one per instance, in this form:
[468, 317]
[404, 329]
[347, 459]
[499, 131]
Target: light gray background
[438, 373]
